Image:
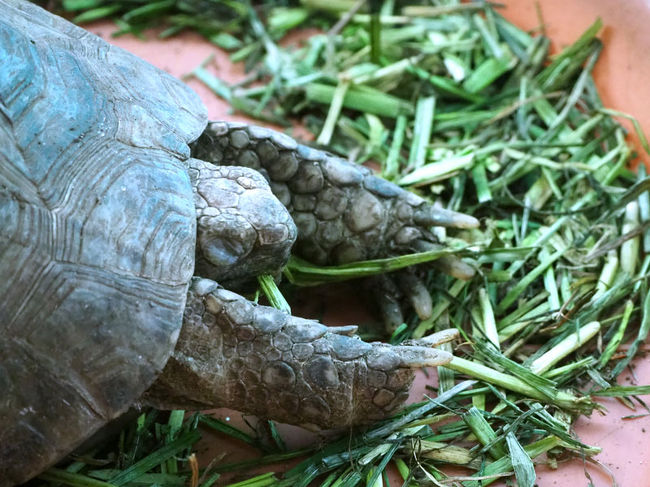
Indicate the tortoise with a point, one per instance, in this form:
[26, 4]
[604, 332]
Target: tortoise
[128, 223]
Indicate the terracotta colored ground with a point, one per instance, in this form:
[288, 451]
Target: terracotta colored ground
[622, 74]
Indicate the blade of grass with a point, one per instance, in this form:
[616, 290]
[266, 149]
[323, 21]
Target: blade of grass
[505, 463]
[272, 293]
[616, 340]
[363, 99]
[302, 273]
[143, 466]
[521, 286]
[391, 168]
[72, 479]
[424, 113]
[333, 113]
[484, 432]
[642, 334]
[521, 462]
[566, 346]
[512, 383]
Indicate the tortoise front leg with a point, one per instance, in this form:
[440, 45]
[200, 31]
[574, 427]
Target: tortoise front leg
[256, 359]
[343, 212]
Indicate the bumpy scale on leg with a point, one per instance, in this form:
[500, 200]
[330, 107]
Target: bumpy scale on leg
[233, 353]
[343, 212]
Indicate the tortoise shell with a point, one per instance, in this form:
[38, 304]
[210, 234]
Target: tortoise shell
[97, 231]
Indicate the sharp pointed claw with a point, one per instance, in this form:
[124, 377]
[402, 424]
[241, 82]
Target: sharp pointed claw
[420, 299]
[416, 357]
[444, 218]
[386, 296]
[347, 330]
[391, 314]
[454, 267]
[435, 339]
[417, 294]
[449, 265]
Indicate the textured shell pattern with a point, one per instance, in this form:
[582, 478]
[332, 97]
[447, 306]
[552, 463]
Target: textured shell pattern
[97, 231]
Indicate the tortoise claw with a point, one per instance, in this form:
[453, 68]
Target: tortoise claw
[439, 217]
[416, 357]
[416, 292]
[385, 294]
[435, 339]
[391, 314]
[455, 267]
[346, 330]
[234, 353]
[450, 264]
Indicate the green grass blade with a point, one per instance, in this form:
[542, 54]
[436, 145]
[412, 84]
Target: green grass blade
[272, 292]
[521, 462]
[156, 458]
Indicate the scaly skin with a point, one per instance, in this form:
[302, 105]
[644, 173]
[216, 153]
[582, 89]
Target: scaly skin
[342, 211]
[257, 359]
[234, 353]
[242, 229]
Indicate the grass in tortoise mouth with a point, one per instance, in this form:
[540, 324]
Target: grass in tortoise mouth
[453, 102]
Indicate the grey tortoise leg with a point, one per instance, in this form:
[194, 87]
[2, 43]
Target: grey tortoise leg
[343, 212]
[256, 359]
[242, 229]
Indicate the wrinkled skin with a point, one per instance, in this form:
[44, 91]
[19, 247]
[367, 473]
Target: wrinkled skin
[243, 230]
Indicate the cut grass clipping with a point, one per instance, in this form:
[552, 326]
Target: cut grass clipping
[458, 105]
